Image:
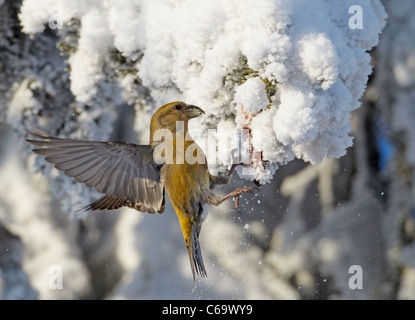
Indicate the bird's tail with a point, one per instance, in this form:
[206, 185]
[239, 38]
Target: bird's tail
[195, 254]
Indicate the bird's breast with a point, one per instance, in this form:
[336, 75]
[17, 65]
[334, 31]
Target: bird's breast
[183, 184]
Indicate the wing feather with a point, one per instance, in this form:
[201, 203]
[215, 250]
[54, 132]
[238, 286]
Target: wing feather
[126, 173]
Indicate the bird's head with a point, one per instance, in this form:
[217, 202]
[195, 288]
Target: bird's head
[167, 116]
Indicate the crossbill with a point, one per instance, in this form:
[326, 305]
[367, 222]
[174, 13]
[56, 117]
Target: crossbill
[129, 175]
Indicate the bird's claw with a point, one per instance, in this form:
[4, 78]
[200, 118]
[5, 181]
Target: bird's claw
[237, 204]
[236, 194]
[257, 183]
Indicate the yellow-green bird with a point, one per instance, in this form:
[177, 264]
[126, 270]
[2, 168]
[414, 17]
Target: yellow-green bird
[130, 175]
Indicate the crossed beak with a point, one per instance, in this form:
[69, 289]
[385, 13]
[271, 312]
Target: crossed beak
[193, 112]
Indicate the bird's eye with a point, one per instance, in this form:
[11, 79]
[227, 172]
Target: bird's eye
[178, 107]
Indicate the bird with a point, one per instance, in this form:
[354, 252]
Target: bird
[133, 176]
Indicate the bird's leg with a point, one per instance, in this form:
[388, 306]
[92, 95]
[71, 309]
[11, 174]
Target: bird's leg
[237, 203]
[236, 193]
[223, 179]
[210, 197]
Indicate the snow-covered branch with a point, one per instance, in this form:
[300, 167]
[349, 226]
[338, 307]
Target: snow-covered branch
[294, 69]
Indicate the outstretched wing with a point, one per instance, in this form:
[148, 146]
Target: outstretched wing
[126, 173]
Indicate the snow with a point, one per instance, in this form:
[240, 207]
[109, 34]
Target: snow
[319, 59]
[86, 63]
[294, 119]
[251, 94]
[268, 54]
[289, 73]
[32, 220]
